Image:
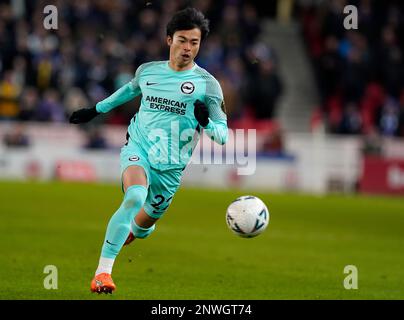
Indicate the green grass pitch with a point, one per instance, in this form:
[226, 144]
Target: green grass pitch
[192, 254]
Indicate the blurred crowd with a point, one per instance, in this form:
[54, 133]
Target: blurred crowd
[360, 73]
[47, 74]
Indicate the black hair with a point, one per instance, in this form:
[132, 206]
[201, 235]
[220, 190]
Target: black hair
[188, 19]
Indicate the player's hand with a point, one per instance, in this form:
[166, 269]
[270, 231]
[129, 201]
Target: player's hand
[201, 113]
[83, 115]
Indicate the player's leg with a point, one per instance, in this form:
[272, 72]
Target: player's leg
[159, 197]
[120, 225]
[142, 220]
[135, 187]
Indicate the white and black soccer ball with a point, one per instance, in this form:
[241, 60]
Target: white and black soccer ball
[247, 216]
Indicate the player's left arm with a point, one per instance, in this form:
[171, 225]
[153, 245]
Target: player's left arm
[212, 113]
[124, 94]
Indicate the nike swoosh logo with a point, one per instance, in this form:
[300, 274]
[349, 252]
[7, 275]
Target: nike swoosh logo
[150, 83]
[113, 244]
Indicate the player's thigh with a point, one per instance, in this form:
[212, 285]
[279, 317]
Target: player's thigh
[134, 175]
[134, 166]
[161, 192]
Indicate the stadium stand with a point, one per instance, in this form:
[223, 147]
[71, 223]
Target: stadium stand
[360, 73]
[46, 74]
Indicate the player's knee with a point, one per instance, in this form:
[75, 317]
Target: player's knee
[140, 232]
[135, 196]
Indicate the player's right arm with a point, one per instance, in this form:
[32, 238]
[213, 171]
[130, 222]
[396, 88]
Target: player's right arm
[124, 94]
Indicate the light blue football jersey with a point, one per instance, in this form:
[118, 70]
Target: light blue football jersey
[165, 126]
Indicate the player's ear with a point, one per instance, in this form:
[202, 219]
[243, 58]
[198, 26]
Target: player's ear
[169, 40]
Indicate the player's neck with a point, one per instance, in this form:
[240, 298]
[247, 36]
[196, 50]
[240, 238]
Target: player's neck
[177, 67]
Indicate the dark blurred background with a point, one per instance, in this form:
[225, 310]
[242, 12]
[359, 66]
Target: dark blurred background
[45, 75]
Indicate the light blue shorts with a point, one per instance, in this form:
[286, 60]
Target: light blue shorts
[162, 185]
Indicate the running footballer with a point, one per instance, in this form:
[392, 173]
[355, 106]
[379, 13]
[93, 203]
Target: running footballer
[175, 94]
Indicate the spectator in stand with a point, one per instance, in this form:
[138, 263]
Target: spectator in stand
[333, 21]
[50, 108]
[9, 92]
[355, 73]
[250, 23]
[230, 30]
[391, 62]
[388, 120]
[264, 89]
[28, 104]
[95, 140]
[330, 68]
[351, 122]
[234, 85]
[16, 138]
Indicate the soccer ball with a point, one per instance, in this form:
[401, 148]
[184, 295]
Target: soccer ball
[247, 216]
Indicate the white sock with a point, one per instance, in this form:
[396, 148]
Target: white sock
[105, 266]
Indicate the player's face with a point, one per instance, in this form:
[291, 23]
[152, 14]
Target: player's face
[184, 46]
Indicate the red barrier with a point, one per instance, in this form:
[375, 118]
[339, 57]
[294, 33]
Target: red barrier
[382, 176]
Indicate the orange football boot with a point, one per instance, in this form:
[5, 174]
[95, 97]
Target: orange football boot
[103, 283]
